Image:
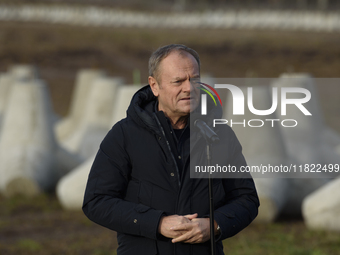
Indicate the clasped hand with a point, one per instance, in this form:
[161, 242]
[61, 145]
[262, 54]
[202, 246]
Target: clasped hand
[187, 229]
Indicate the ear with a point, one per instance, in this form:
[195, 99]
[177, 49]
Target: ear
[154, 86]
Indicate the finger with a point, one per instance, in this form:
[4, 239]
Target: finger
[182, 238]
[182, 227]
[177, 234]
[191, 241]
[191, 216]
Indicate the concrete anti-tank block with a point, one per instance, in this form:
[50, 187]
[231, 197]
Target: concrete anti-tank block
[15, 73]
[305, 143]
[122, 102]
[5, 85]
[28, 150]
[262, 146]
[23, 72]
[27, 140]
[67, 126]
[71, 188]
[94, 125]
[308, 142]
[321, 208]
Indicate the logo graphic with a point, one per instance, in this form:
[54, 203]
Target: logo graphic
[210, 91]
[240, 101]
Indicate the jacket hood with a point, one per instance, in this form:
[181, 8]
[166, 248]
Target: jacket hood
[142, 110]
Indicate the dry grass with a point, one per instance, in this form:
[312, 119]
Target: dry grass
[41, 227]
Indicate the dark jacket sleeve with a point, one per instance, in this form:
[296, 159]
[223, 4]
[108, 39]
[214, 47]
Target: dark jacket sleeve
[242, 201]
[106, 187]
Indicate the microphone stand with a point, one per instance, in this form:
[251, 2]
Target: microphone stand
[210, 137]
[211, 204]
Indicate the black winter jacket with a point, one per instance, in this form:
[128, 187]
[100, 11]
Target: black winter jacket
[135, 180]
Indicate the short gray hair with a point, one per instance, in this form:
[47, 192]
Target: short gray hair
[162, 52]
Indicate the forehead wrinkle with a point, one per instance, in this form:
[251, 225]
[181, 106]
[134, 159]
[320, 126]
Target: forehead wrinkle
[185, 70]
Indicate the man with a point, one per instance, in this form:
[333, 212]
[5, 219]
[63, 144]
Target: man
[140, 185]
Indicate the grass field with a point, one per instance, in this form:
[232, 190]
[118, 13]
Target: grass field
[41, 226]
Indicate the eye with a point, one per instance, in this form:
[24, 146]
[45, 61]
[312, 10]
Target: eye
[195, 80]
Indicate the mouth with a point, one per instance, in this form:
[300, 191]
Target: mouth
[186, 99]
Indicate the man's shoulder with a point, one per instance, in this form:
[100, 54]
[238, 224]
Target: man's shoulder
[120, 128]
[227, 136]
[116, 136]
[224, 130]
[123, 124]
[126, 127]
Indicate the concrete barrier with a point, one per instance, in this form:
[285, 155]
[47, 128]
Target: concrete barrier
[307, 143]
[331, 137]
[23, 72]
[96, 121]
[321, 208]
[15, 73]
[5, 85]
[71, 188]
[262, 146]
[67, 126]
[28, 150]
[122, 102]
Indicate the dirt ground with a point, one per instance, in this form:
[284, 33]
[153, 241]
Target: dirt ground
[41, 226]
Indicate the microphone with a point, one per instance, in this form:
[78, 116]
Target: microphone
[209, 135]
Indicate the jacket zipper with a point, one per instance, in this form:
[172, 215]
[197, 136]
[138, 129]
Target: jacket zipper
[173, 158]
[168, 145]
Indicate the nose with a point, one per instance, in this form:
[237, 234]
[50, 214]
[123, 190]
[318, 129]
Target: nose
[187, 86]
[194, 85]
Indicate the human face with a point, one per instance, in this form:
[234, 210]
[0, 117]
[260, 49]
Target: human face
[176, 89]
